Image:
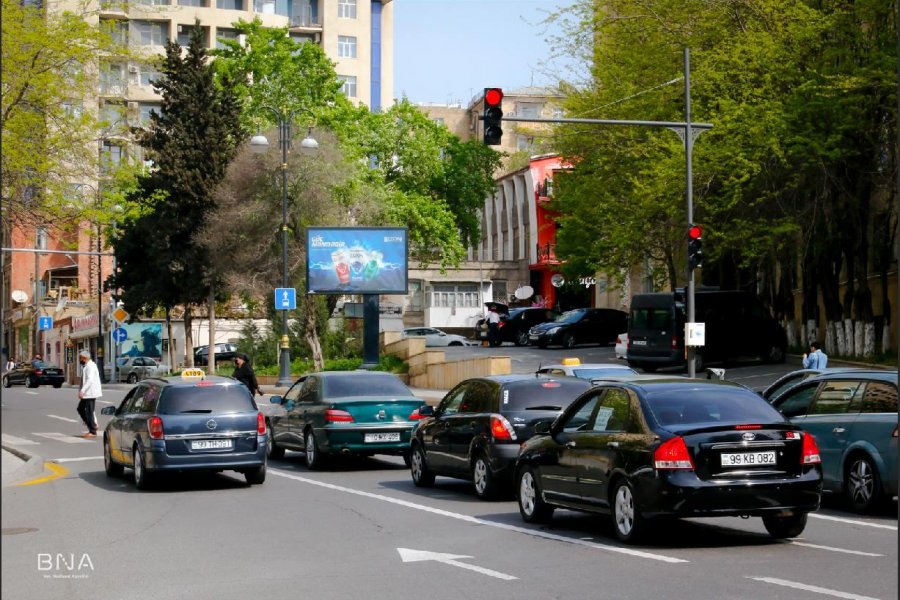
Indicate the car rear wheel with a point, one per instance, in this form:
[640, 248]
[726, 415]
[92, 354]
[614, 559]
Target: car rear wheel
[32, 381]
[113, 469]
[483, 478]
[418, 468]
[531, 505]
[862, 484]
[256, 476]
[521, 338]
[132, 378]
[785, 527]
[627, 520]
[407, 459]
[568, 341]
[142, 478]
[314, 458]
[273, 450]
[6, 382]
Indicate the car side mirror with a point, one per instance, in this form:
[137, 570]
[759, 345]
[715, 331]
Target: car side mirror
[276, 399]
[542, 427]
[426, 410]
[108, 410]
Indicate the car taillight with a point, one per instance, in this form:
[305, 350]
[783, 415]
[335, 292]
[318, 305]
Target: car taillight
[38, 372]
[155, 425]
[415, 416]
[896, 427]
[674, 343]
[260, 424]
[501, 324]
[810, 454]
[332, 415]
[672, 454]
[501, 429]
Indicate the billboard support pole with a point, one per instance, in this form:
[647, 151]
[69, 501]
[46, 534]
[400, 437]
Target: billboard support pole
[370, 331]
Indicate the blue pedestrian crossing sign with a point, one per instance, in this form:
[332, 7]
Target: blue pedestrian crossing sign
[120, 335]
[45, 323]
[285, 298]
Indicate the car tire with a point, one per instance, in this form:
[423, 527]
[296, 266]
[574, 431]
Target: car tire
[422, 476]
[528, 494]
[568, 341]
[142, 479]
[521, 338]
[785, 527]
[483, 478]
[113, 469]
[314, 459]
[6, 382]
[627, 521]
[407, 459]
[57, 385]
[132, 378]
[256, 476]
[273, 450]
[862, 484]
[31, 382]
[699, 363]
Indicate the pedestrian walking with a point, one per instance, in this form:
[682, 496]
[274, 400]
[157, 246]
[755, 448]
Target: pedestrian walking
[493, 320]
[243, 372]
[10, 365]
[816, 359]
[89, 392]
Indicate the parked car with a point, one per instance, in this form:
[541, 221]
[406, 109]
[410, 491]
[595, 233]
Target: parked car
[475, 431]
[853, 414]
[580, 326]
[224, 352]
[622, 346]
[515, 323]
[573, 367]
[134, 368]
[191, 423]
[637, 450]
[436, 337]
[34, 374]
[346, 412]
[785, 382]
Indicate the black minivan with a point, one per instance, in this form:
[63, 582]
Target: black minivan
[737, 326]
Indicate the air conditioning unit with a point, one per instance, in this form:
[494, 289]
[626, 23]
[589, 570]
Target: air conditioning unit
[317, 38]
[133, 107]
[179, 28]
[133, 69]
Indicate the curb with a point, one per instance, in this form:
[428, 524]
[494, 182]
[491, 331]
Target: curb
[849, 363]
[31, 466]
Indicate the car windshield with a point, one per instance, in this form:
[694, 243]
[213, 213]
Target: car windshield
[716, 405]
[363, 384]
[206, 399]
[602, 372]
[571, 316]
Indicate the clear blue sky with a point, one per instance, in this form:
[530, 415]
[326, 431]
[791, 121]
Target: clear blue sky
[446, 51]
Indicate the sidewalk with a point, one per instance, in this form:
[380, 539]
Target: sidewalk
[18, 466]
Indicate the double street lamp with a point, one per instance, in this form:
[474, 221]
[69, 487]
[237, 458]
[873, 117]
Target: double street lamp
[259, 144]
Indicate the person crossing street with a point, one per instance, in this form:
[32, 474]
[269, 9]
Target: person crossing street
[89, 392]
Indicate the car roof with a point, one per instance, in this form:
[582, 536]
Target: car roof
[861, 373]
[671, 384]
[356, 373]
[178, 381]
[517, 377]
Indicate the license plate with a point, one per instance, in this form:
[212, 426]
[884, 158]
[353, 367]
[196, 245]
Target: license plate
[639, 342]
[748, 459]
[382, 437]
[532, 337]
[210, 444]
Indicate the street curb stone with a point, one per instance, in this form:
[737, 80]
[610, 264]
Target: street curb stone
[29, 467]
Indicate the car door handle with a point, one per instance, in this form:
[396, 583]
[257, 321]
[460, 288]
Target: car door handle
[612, 444]
[570, 444]
[838, 430]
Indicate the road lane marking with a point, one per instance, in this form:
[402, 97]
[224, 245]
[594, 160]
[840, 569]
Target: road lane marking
[105, 402]
[17, 441]
[409, 555]
[853, 521]
[57, 472]
[477, 521]
[829, 548]
[752, 376]
[64, 419]
[77, 459]
[33, 393]
[67, 438]
[812, 588]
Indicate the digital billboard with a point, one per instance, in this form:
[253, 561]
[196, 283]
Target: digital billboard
[356, 260]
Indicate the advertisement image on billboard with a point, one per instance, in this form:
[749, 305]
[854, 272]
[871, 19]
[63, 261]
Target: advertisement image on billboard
[356, 260]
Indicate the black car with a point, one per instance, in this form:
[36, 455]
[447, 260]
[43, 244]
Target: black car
[580, 326]
[34, 374]
[476, 430]
[637, 450]
[224, 352]
[515, 322]
[189, 423]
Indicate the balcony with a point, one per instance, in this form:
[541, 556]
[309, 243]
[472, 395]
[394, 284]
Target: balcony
[304, 18]
[545, 190]
[546, 254]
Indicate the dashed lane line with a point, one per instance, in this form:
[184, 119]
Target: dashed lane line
[64, 419]
[853, 521]
[76, 459]
[812, 588]
[832, 549]
[16, 441]
[65, 438]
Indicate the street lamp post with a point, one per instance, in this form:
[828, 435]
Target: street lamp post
[260, 144]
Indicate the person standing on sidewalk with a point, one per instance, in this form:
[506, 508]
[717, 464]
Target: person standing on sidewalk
[493, 320]
[243, 372]
[89, 392]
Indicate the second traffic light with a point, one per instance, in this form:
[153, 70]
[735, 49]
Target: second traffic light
[695, 247]
[493, 116]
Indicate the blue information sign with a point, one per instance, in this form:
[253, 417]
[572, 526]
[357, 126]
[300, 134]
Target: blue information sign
[120, 335]
[285, 298]
[45, 323]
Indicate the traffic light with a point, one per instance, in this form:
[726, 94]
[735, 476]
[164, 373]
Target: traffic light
[493, 116]
[695, 247]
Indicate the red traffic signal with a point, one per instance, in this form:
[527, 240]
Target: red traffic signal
[493, 96]
[695, 232]
[493, 116]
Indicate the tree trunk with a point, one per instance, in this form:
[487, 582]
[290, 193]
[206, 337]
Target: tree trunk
[868, 343]
[312, 335]
[790, 328]
[170, 356]
[831, 335]
[188, 336]
[211, 303]
[886, 336]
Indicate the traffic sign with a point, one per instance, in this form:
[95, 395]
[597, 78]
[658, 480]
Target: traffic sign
[120, 315]
[119, 334]
[285, 298]
[45, 323]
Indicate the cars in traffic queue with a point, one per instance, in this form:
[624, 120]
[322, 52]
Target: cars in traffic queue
[475, 431]
[34, 374]
[134, 368]
[638, 450]
[573, 367]
[514, 322]
[622, 346]
[853, 415]
[344, 412]
[580, 326]
[224, 352]
[436, 337]
[193, 422]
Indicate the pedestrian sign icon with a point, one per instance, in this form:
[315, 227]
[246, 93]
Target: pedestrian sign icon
[285, 298]
[45, 323]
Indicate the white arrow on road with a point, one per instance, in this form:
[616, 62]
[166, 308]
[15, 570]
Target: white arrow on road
[408, 555]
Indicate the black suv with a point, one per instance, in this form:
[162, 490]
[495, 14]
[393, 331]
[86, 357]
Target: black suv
[515, 322]
[476, 430]
[223, 352]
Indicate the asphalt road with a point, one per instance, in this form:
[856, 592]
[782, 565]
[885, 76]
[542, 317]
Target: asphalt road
[362, 530]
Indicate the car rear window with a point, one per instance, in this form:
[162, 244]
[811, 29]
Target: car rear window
[651, 318]
[549, 394]
[601, 372]
[206, 398]
[714, 406]
[364, 384]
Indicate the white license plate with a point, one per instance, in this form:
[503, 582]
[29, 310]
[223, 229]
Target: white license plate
[748, 459]
[639, 342]
[532, 337]
[382, 437]
[210, 444]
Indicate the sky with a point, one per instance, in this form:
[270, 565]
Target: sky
[447, 51]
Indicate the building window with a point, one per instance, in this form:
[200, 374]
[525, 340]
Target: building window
[149, 33]
[184, 35]
[461, 295]
[347, 9]
[349, 87]
[198, 3]
[144, 111]
[116, 29]
[110, 116]
[346, 46]
[41, 238]
[225, 34]
[301, 38]
[154, 2]
[73, 109]
[266, 7]
[111, 156]
[112, 80]
[230, 4]
[148, 75]
[501, 293]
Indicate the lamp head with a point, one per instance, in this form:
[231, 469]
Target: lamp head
[259, 144]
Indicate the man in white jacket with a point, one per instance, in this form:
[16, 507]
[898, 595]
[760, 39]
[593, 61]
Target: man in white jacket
[89, 392]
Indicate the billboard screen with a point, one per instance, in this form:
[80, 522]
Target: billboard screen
[356, 260]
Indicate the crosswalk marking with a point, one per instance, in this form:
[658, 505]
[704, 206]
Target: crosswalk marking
[67, 438]
[17, 441]
[64, 419]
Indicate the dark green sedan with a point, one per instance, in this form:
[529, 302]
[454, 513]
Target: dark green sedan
[344, 412]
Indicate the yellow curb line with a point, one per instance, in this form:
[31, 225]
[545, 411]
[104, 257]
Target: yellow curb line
[58, 471]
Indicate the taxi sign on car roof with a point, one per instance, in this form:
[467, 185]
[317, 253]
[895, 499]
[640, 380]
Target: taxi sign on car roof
[192, 374]
[571, 362]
